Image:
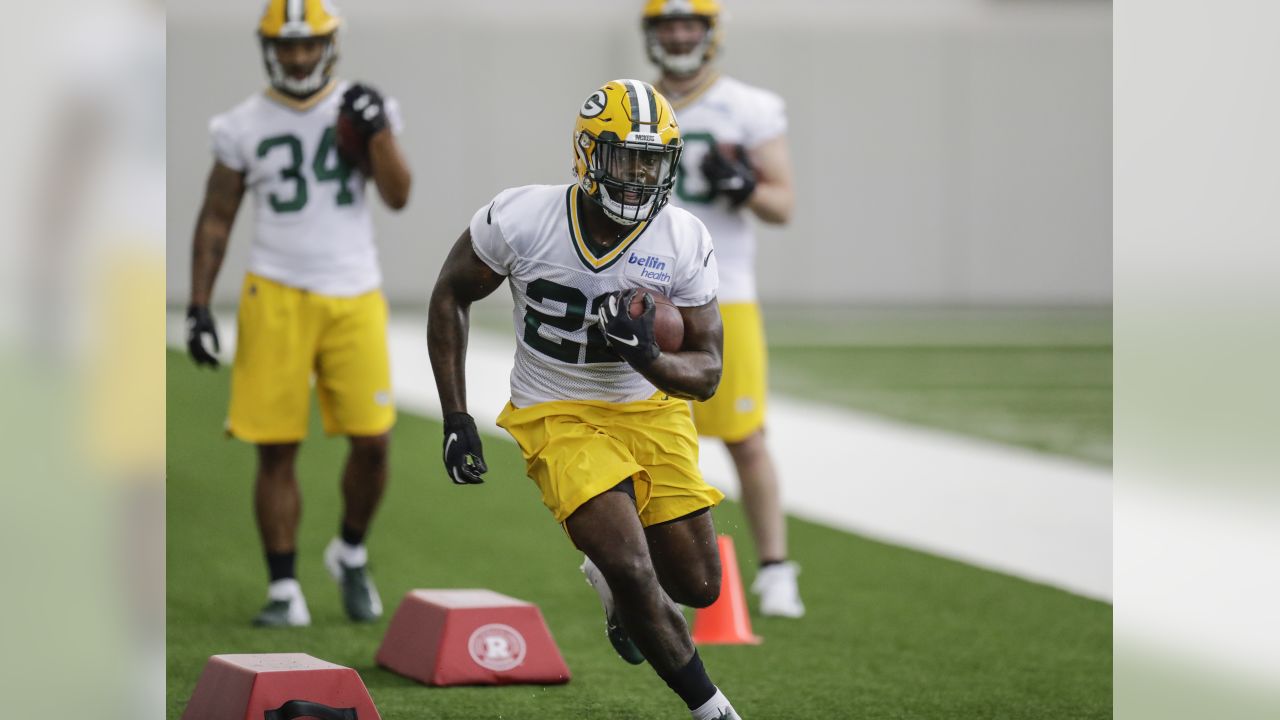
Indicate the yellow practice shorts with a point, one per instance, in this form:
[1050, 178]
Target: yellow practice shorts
[576, 450]
[289, 336]
[125, 400]
[737, 408]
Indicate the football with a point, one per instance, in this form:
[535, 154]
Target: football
[351, 147]
[668, 324]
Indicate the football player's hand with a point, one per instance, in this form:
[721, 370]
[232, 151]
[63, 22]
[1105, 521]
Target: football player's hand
[463, 455]
[730, 175]
[365, 107]
[632, 338]
[200, 325]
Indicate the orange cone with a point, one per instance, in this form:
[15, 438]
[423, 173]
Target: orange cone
[726, 622]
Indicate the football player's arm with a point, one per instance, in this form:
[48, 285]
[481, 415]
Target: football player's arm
[774, 197]
[390, 169]
[693, 373]
[223, 192]
[463, 280]
[222, 196]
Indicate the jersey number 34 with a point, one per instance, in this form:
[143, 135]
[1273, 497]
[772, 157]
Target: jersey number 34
[327, 166]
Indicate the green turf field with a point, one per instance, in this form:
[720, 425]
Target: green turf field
[890, 633]
[1040, 379]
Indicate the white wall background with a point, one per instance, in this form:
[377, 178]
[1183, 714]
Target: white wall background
[946, 151]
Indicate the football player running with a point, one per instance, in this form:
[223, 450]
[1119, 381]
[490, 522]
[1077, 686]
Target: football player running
[598, 410]
[735, 165]
[311, 303]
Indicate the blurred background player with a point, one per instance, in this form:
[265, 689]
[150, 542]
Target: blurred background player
[94, 271]
[595, 405]
[735, 165]
[311, 302]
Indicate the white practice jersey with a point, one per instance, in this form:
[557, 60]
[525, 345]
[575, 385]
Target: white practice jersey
[312, 225]
[728, 112]
[531, 234]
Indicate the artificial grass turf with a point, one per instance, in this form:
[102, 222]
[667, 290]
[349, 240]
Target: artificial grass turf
[1055, 399]
[890, 633]
[1036, 377]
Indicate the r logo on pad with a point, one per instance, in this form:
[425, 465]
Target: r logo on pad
[497, 647]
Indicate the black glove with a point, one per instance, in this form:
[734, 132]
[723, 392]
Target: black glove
[463, 455]
[730, 175]
[632, 338]
[364, 104]
[200, 324]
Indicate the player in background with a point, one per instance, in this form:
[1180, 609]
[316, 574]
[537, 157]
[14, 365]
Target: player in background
[735, 165]
[311, 303]
[597, 409]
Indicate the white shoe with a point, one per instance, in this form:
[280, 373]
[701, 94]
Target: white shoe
[779, 593]
[286, 607]
[349, 567]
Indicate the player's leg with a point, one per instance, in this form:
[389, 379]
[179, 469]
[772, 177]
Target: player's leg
[277, 504]
[353, 383]
[608, 530]
[761, 497]
[775, 582]
[613, 627]
[736, 415]
[364, 480]
[270, 398]
[686, 558]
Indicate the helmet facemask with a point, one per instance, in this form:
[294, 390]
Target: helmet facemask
[683, 64]
[630, 180]
[308, 85]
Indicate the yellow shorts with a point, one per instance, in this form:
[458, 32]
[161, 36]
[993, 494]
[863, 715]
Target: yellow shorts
[125, 410]
[575, 450]
[288, 336]
[737, 408]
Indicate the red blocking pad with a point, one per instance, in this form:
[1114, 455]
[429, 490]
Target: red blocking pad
[470, 637]
[278, 686]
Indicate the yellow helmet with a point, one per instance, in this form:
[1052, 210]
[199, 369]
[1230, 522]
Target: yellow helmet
[626, 147]
[290, 20]
[688, 63]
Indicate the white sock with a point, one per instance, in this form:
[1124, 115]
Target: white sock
[284, 589]
[715, 709]
[352, 555]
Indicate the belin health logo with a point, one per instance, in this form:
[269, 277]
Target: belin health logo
[649, 267]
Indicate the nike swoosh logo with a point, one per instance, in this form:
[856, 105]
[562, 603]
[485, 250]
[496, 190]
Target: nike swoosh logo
[632, 341]
[452, 438]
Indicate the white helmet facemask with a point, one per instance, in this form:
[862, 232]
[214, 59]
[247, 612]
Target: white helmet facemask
[625, 213]
[304, 86]
[682, 64]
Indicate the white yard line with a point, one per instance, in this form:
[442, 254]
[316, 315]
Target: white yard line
[1017, 512]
